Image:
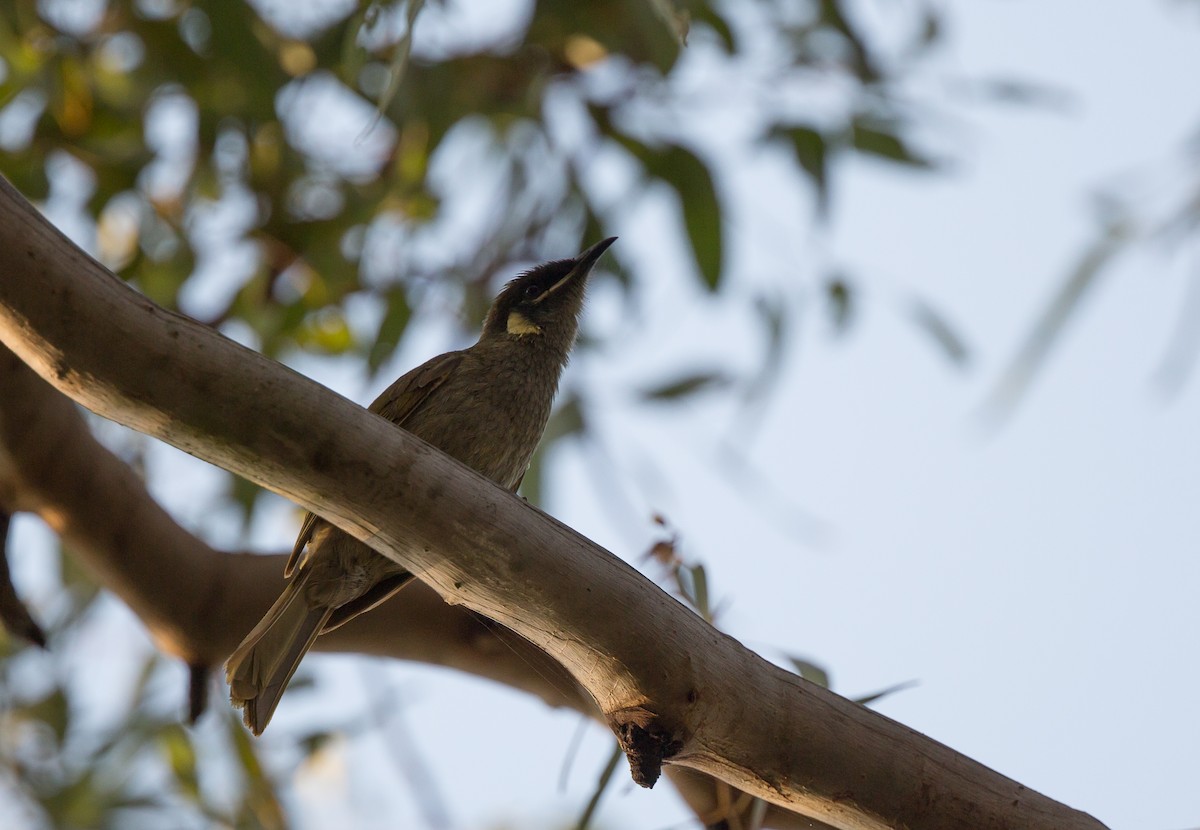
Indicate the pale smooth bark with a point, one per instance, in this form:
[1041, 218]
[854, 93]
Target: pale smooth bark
[667, 683]
[197, 602]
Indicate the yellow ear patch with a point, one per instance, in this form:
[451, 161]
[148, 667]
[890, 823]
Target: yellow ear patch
[519, 324]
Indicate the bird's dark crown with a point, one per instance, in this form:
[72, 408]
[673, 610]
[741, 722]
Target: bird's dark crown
[549, 294]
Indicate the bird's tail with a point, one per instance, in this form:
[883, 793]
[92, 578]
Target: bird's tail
[260, 668]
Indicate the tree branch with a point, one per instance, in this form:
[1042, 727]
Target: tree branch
[119, 533]
[197, 602]
[672, 687]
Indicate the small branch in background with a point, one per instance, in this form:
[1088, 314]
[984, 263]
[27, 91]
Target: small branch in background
[13, 613]
[197, 691]
[1179, 361]
[386, 725]
[1034, 352]
[940, 331]
[602, 783]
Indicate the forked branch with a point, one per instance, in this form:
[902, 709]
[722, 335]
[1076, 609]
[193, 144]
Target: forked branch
[676, 689]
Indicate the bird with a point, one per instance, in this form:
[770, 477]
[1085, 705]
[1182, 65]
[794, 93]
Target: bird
[486, 406]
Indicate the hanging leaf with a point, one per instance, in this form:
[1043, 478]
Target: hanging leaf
[696, 587]
[874, 140]
[834, 18]
[391, 328]
[810, 671]
[866, 700]
[689, 177]
[811, 149]
[260, 804]
[687, 385]
[567, 419]
[773, 322]
[13, 613]
[940, 331]
[606, 776]
[245, 495]
[706, 14]
[1032, 355]
[177, 747]
[840, 301]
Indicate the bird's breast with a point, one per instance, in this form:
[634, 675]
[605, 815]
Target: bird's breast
[490, 414]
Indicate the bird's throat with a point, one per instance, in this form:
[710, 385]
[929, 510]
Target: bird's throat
[519, 324]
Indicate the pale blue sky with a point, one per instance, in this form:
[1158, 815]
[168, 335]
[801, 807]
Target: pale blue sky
[1040, 579]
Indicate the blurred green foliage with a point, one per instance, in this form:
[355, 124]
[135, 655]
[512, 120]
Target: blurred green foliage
[93, 87]
[63, 765]
[184, 116]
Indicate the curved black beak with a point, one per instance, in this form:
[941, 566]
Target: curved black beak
[581, 268]
[585, 261]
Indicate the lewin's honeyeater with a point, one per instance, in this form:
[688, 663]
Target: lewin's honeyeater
[486, 406]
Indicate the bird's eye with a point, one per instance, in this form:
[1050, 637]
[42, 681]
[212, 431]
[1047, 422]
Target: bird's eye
[532, 291]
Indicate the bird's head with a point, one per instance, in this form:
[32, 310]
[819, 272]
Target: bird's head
[545, 301]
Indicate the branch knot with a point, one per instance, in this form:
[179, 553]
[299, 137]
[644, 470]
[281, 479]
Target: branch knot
[645, 741]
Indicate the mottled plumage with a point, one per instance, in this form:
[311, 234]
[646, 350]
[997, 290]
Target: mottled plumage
[485, 406]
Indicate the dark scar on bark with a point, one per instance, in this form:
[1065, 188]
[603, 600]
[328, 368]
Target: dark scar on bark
[645, 741]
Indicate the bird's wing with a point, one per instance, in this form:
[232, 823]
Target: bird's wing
[396, 403]
[306, 532]
[401, 399]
